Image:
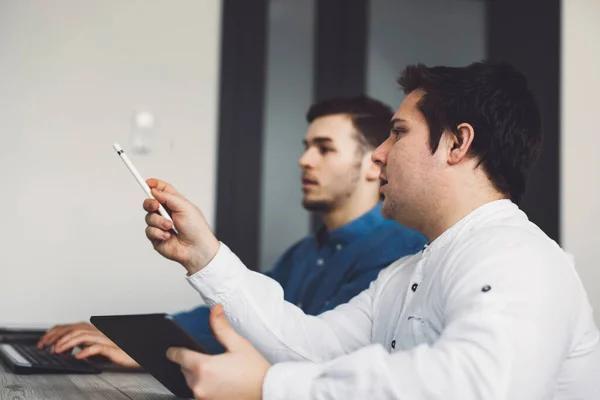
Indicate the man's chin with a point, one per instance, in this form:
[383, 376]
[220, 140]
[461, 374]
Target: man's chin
[316, 205]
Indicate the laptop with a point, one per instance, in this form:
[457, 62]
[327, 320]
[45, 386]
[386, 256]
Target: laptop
[20, 335]
[19, 352]
[28, 359]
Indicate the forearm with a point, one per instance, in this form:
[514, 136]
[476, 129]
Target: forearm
[365, 374]
[256, 308]
[449, 371]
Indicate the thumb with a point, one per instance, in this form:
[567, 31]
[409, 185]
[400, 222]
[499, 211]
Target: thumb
[224, 333]
[171, 201]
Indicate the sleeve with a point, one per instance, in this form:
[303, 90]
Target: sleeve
[196, 321]
[508, 323]
[255, 306]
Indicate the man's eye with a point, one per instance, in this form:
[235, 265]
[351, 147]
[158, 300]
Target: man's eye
[324, 150]
[397, 132]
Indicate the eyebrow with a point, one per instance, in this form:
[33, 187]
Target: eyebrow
[398, 120]
[318, 140]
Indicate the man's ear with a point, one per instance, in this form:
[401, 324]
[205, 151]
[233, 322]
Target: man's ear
[373, 170]
[460, 143]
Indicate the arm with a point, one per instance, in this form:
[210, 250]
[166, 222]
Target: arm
[506, 343]
[253, 302]
[196, 321]
[255, 306]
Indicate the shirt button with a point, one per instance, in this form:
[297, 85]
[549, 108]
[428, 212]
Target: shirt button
[414, 287]
[320, 261]
[393, 344]
[338, 247]
[299, 304]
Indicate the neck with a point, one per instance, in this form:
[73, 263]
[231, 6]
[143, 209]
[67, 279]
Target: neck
[455, 207]
[361, 202]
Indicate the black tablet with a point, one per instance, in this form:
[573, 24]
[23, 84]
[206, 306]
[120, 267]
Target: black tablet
[146, 338]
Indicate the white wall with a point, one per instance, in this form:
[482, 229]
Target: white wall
[580, 141]
[289, 86]
[72, 75]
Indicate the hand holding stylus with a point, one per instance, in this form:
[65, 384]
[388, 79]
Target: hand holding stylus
[195, 245]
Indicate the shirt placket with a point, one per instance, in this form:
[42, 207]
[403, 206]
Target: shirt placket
[415, 282]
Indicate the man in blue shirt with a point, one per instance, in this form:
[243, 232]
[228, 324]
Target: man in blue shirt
[321, 271]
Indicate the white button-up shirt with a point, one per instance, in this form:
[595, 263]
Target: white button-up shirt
[492, 309]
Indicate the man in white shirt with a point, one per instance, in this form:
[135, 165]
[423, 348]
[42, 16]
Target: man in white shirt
[491, 309]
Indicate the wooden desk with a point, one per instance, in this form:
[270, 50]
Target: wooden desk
[108, 385]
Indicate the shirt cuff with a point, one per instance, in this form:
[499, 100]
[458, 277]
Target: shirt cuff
[220, 278]
[290, 381]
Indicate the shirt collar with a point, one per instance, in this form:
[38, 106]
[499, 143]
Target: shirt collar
[473, 218]
[361, 226]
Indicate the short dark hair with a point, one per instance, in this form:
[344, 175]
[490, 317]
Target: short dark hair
[493, 98]
[370, 117]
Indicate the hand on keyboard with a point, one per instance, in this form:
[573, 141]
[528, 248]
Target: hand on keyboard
[65, 337]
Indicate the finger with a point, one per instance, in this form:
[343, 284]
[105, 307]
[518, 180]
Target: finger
[53, 335]
[186, 358]
[170, 201]
[42, 341]
[50, 334]
[80, 338]
[151, 205]
[114, 353]
[162, 186]
[178, 355]
[156, 235]
[158, 221]
[66, 338]
[224, 333]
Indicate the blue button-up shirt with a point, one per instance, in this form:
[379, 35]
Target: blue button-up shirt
[327, 269]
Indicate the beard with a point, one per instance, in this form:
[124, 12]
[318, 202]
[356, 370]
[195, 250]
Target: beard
[317, 205]
[336, 197]
[342, 188]
[389, 208]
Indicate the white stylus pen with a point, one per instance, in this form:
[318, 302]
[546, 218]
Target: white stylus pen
[142, 182]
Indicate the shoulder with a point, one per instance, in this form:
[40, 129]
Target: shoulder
[513, 258]
[520, 242]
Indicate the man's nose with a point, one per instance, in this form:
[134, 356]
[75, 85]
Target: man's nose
[379, 155]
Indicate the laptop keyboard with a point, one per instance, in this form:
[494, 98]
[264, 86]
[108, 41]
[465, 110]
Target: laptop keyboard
[18, 355]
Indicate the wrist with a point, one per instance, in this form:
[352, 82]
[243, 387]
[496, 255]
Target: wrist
[200, 258]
